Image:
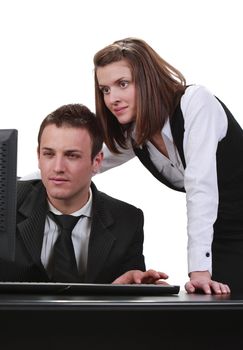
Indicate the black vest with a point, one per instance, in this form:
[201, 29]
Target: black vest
[227, 246]
[229, 159]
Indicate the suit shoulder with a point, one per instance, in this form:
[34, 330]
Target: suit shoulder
[25, 185]
[24, 188]
[115, 203]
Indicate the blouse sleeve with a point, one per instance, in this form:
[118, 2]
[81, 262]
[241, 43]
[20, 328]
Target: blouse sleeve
[205, 125]
[112, 160]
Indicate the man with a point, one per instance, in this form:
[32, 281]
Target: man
[107, 237]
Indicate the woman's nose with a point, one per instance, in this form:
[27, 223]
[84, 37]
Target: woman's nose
[114, 96]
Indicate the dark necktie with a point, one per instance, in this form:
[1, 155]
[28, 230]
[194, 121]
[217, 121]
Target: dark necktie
[64, 261]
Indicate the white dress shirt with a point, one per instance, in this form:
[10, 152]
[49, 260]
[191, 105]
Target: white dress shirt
[80, 236]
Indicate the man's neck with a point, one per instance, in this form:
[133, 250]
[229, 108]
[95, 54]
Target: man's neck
[68, 206]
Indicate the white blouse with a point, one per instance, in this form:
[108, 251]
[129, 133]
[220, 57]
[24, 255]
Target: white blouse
[205, 125]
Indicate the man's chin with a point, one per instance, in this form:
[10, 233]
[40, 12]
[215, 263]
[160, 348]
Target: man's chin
[58, 195]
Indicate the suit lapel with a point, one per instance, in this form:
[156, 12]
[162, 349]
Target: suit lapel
[31, 229]
[101, 238]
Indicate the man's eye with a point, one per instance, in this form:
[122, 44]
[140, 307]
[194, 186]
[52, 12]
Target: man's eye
[105, 90]
[47, 154]
[73, 156]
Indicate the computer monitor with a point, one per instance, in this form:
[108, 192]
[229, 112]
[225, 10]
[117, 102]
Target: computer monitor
[8, 192]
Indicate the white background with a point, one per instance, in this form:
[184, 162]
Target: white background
[47, 47]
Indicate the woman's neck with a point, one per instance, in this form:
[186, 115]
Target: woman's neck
[158, 142]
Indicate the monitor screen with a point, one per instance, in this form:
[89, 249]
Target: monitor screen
[8, 192]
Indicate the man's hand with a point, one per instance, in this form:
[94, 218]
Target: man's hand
[141, 277]
[201, 281]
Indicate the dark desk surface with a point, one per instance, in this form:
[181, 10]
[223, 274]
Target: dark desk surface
[182, 300]
[32, 321]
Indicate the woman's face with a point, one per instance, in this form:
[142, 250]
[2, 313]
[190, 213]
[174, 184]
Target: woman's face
[116, 83]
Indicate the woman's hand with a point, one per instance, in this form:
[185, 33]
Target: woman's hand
[201, 281]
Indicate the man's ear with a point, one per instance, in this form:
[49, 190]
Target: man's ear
[97, 161]
[38, 156]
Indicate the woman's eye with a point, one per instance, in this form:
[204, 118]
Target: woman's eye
[123, 83]
[105, 90]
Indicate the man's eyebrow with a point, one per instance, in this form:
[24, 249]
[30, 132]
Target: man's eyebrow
[68, 151]
[47, 148]
[73, 151]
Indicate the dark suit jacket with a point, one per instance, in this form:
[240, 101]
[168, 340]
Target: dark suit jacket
[116, 237]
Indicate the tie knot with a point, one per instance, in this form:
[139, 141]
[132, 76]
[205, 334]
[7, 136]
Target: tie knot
[67, 222]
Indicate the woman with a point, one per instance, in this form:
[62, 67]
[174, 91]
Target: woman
[189, 140]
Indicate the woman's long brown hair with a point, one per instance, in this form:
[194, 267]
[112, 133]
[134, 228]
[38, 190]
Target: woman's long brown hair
[158, 85]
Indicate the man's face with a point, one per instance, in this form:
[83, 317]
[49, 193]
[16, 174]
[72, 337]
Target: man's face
[66, 166]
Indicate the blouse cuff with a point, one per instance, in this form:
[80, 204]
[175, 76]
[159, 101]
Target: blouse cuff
[200, 260]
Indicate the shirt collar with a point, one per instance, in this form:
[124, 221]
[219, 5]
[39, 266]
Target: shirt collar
[167, 130]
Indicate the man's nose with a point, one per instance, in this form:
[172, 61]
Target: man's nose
[59, 164]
